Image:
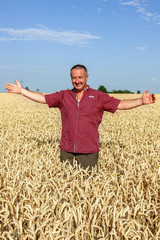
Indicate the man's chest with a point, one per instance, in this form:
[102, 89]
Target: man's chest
[88, 105]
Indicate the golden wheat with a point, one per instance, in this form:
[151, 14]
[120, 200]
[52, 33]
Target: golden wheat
[41, 198]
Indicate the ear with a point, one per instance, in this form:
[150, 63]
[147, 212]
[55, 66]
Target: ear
[87, 76]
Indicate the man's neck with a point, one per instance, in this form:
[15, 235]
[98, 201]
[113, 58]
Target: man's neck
[79, 95]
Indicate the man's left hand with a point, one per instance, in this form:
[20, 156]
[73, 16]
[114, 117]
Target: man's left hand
[148, 98]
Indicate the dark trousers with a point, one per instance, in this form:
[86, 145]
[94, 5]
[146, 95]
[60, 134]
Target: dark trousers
[84, 160]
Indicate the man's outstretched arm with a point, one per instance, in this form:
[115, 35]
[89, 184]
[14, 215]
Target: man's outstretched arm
[17, 88]
[132, 103]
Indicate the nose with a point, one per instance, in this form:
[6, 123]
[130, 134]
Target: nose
[76, 80]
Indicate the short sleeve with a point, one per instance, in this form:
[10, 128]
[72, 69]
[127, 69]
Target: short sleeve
[53, 99]
[110, 104]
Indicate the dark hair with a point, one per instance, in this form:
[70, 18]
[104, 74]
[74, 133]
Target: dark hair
[79, 66]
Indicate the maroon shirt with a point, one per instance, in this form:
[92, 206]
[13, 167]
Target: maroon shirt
[80, 121]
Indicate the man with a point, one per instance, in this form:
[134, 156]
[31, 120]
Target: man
[81, 112]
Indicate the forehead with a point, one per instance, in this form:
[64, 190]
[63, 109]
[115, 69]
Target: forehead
[79, 71]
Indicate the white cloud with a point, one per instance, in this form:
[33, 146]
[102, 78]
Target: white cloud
[6, 67]
[44, 34]
[99, 9]
[141, 48]
[154, 79]
[129, 3]
[142, 8]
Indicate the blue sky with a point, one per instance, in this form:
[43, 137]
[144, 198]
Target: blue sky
[117, 40]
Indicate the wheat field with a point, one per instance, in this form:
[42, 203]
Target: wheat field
[41, 198]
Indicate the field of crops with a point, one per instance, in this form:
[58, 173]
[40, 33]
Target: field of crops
[41, 198]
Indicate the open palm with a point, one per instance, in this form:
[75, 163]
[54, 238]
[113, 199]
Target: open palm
[13, 88]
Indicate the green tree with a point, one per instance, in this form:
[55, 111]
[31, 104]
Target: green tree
[27, 88]
[102, 89]
[122, 91]
[138, 91]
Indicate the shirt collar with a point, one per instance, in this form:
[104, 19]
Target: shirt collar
[86, 89]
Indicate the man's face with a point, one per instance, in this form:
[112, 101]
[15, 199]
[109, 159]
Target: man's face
[79, 79]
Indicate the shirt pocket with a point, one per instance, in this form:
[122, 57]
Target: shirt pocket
[89, 105]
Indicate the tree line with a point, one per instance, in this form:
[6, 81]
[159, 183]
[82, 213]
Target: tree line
[103, 89]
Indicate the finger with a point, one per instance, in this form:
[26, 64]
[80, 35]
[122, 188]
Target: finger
[7, 88]
[146, 91]
[8, 85]
[16, 81]
[153, 96]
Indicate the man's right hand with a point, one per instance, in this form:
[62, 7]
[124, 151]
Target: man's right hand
[14, 88]
[17, 88]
